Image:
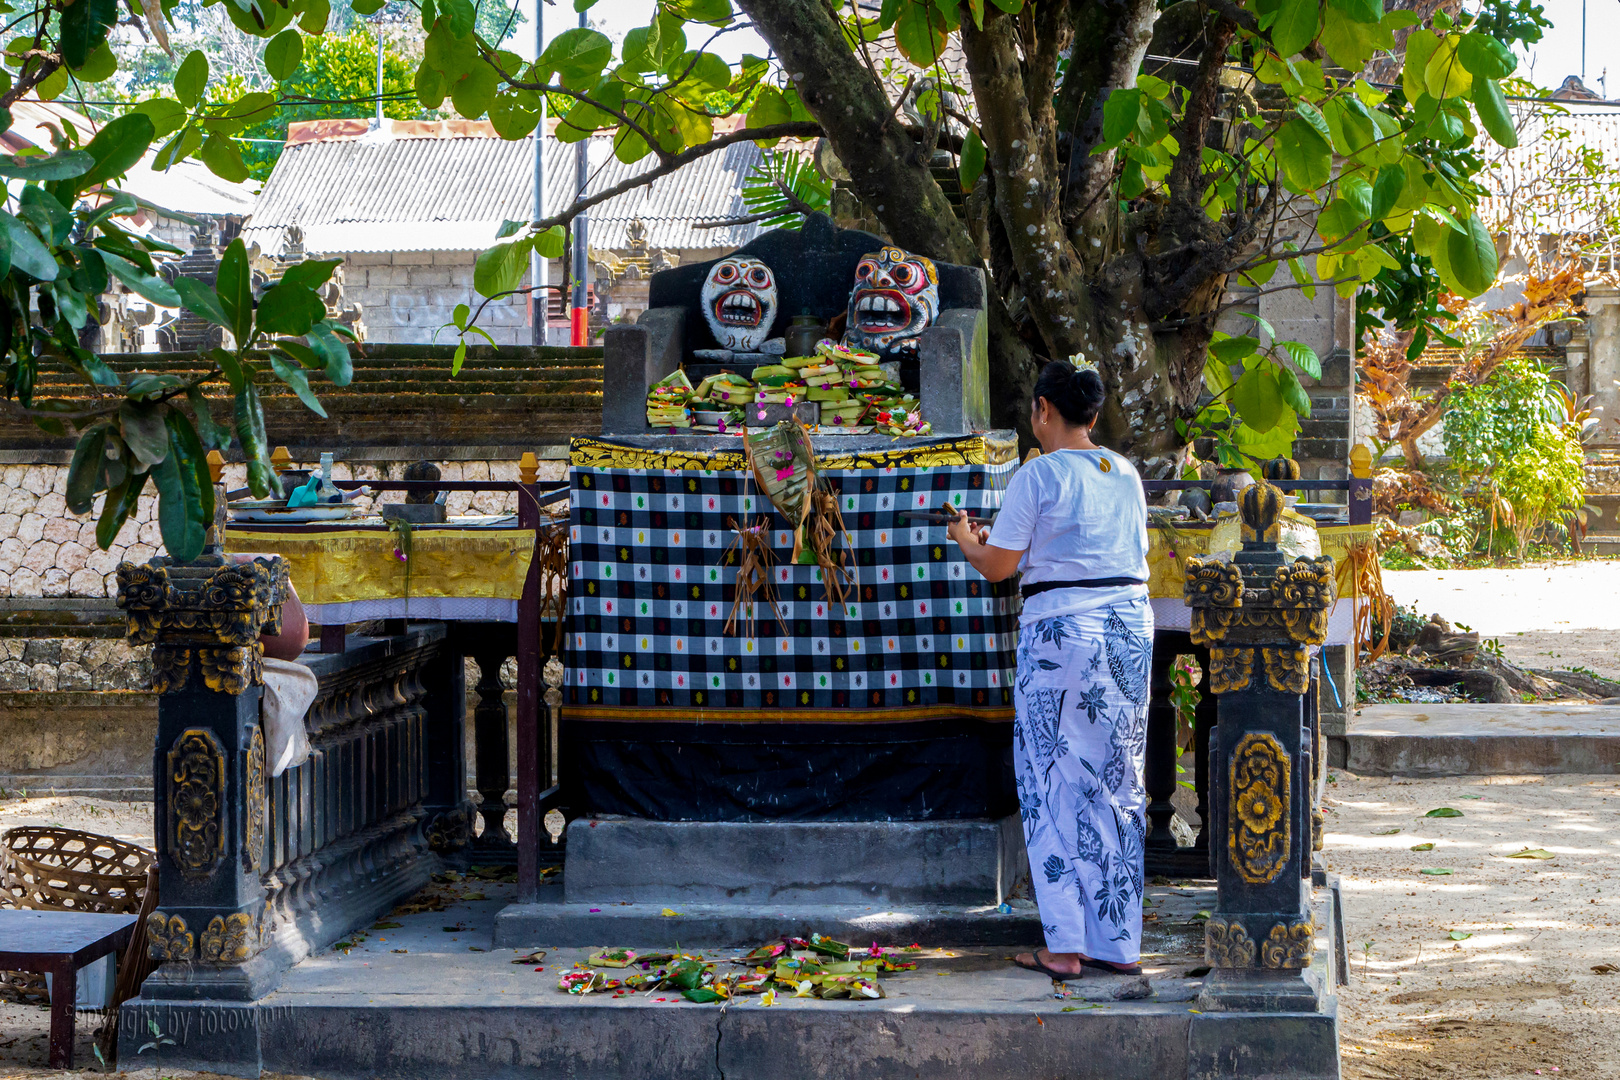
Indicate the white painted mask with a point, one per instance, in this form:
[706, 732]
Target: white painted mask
[739, 300]
[895, 297]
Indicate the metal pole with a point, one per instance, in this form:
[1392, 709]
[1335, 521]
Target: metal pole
[579, 314]
[539, 268]
[377, 27]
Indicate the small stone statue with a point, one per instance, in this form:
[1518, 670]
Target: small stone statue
[895, 298]
[739, 302]
[422, 470]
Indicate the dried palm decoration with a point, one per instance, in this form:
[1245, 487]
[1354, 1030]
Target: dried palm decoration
[551, 553]
[826, 526]
[751, 551]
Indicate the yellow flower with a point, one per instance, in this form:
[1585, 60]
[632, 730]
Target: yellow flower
[1259, 808]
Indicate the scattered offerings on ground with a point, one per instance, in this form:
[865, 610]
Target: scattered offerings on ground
[804, 967]
[667, 400]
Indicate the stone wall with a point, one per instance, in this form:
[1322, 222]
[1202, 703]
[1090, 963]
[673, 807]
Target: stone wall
[406, 296]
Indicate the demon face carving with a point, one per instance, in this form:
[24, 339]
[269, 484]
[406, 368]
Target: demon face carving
[739, 300]
[894, 299]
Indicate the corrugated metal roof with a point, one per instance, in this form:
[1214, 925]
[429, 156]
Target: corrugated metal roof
[379, 193]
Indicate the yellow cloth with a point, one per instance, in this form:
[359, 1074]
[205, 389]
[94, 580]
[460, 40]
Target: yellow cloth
[1169, 547]
[339, 566]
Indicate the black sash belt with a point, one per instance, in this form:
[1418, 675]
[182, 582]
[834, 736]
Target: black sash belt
[1084, 583]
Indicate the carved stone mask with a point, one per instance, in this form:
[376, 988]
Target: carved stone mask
[739, 300]
[895, 298]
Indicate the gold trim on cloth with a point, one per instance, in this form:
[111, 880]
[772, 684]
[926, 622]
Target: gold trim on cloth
[589, 453]
[1169, 547]
[342, 566]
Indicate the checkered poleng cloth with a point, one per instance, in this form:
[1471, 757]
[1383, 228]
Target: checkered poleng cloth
[922, 634]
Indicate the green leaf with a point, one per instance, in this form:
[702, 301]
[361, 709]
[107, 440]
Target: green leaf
[1387, 191]
[223, 159]
[166, 114]
[1293, 394]
[121, 502]
[1304, 358]
[1295, 27]
[1444, 811]
[1459, 935]
[283, 55]
[149, 286]
[315, 17]
[62, 165]
[459, 16]
[294, 377]
[41, 210]
[514, 113]
[250, 432]
[578, 56]
[920, 33]
[1257, 397]
[1364, 11]
[1436, 871]
[333, 353]
[213, 435]
[552, 243]
[1472, 257]
[704, 11]
[116, 147]
[28, 254]
[501, 268]
[1422, 847]
[1444, 75]
[1232, 349]
[201, 300]
[85, 472]
[144, 432]
[289, 309]
[83, 29]
[179, 508]
[770, 107]
[1121, 114]
[234, 284]
[191, 79]
[1305, 156]
[1420, 47]
[311, 273]
[1314, 117]
[99, 66]
[1485, 57]
[971, 167]
[1493, 112]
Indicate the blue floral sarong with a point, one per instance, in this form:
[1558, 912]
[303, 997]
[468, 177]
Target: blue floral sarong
[1078, 750]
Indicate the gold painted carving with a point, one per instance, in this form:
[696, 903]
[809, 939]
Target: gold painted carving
[1288, 670]
[1227, 945]
[167, 937]
[1260, 506]
[1213, 582]
[1307, 583]
[230, 939]
[253, 811]
[449, 832]
[196, 802]
[213, 612]
[1229, 669]
[1289, 946]
[1259, 827]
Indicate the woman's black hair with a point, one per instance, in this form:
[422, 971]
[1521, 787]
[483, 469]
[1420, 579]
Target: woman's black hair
[1076, 393]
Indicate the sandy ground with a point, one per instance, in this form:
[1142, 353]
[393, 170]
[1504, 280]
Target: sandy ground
[1518, 993]
[1553, 615]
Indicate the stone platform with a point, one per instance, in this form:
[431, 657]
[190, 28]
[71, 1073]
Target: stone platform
[434, 997]
[1482, 740]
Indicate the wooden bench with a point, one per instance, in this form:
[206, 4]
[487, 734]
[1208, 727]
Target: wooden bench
[58, 944]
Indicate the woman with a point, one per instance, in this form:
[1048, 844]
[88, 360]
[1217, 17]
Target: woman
[1075, 522]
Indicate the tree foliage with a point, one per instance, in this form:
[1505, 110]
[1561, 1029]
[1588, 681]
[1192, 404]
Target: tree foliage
[1125, 164]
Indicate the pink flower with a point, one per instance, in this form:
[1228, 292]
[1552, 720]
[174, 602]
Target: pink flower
[400, 555]
[789, 401]
[783, 474]
[722, 427]
[762, 414]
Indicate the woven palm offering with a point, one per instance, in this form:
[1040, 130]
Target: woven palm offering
[785, 468]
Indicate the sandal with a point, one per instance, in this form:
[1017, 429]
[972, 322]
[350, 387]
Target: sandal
[1036, 965]
[1112, 969]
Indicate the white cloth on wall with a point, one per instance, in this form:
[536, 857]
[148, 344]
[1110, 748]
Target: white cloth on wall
[289, 691]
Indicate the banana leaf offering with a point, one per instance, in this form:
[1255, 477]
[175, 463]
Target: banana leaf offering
[667, 400]
[784, 465]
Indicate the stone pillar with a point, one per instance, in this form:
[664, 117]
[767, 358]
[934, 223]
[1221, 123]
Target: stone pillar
[203, 621]
[1259, 615]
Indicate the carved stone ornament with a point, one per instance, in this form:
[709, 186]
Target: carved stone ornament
[449, 831]
[1288, 670]
[229, 939]
[895, 298]
[739, 302]
[1289, 946]
[167, 938]
[196, 802]
[210, 612]
[1228, 945]
[1229, 669]
[253, 809]
[1260, 827]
